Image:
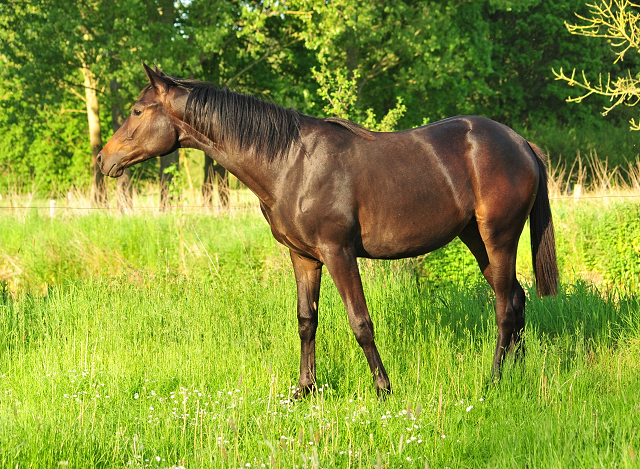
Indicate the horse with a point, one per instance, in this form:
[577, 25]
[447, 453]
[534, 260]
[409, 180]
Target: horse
[333, 191]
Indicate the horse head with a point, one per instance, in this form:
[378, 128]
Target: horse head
[151, 129]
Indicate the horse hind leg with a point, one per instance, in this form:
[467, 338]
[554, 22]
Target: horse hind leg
[517, 339]
[497, 262]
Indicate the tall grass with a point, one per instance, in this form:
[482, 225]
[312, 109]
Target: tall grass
[170, 371]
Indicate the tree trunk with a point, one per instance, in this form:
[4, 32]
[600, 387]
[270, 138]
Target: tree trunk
[163, 11]
[213, 171]
[124, 192]
[166, 195]
[99, 186]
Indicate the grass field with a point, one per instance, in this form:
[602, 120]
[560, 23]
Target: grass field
[171, 340]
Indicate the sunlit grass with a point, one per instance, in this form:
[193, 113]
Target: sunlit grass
[201, 373]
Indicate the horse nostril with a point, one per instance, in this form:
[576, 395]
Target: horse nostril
[99, 159]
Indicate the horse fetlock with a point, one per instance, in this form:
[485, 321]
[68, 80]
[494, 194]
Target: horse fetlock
[383, 387]
[303, 390]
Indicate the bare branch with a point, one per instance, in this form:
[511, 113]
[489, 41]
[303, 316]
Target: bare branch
[618, 21]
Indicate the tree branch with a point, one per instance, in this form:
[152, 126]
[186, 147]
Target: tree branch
[256, 62]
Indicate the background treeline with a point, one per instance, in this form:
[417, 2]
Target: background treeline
[438, 58]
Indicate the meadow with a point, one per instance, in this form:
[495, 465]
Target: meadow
[170, 340]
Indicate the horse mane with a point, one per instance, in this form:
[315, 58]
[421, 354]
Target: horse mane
[352, 126]
[240, 121]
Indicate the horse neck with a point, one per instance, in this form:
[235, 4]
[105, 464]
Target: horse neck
[254, 172]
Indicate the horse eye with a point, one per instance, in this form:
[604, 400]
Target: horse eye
[137, 112]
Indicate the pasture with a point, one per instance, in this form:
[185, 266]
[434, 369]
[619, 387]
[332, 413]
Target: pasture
[171, 341]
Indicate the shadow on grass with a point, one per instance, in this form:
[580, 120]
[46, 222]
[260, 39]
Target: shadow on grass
[415, 310]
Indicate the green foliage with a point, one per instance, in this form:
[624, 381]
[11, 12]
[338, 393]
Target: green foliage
[341, 94]
[527, 44]
[50, 154]
[45, 47]
[613, 143]
[452, 264]
[617, 21]
[175, 186]
[609, 243]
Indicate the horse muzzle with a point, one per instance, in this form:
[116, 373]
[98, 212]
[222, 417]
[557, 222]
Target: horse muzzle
[109, 168]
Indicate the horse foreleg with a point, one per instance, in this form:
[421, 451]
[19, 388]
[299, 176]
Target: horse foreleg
[308, 273]
[343, 267]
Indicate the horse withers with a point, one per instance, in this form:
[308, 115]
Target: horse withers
[333, 191]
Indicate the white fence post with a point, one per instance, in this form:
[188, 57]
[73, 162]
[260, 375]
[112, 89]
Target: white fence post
[577, 192]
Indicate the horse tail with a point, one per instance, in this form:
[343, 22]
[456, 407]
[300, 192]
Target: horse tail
[543, 243]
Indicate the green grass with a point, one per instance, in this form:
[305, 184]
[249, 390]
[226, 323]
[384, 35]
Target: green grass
[161, 341]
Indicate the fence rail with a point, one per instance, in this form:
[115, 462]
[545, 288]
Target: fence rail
[53, 208]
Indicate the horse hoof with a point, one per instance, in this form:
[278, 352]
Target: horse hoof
[383, 392]
[302, 392]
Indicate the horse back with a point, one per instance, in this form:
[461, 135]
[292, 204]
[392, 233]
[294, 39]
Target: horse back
[406, 193]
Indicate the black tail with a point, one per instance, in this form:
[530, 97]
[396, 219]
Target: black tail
[543, 242]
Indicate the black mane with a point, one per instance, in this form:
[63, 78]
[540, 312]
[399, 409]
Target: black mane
[238, 121]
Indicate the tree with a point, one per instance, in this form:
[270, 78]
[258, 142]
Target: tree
[618, 22]
[86, 51]
[340, 92]
[251, 47]
[395, 49]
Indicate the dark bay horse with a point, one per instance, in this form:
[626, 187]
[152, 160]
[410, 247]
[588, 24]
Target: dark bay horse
[333, 191]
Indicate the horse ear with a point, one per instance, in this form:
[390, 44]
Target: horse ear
[158, 71]
[156, 79]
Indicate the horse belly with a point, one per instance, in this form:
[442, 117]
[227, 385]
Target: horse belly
[407, 234]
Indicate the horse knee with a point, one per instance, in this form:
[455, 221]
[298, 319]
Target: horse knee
[307, 328]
